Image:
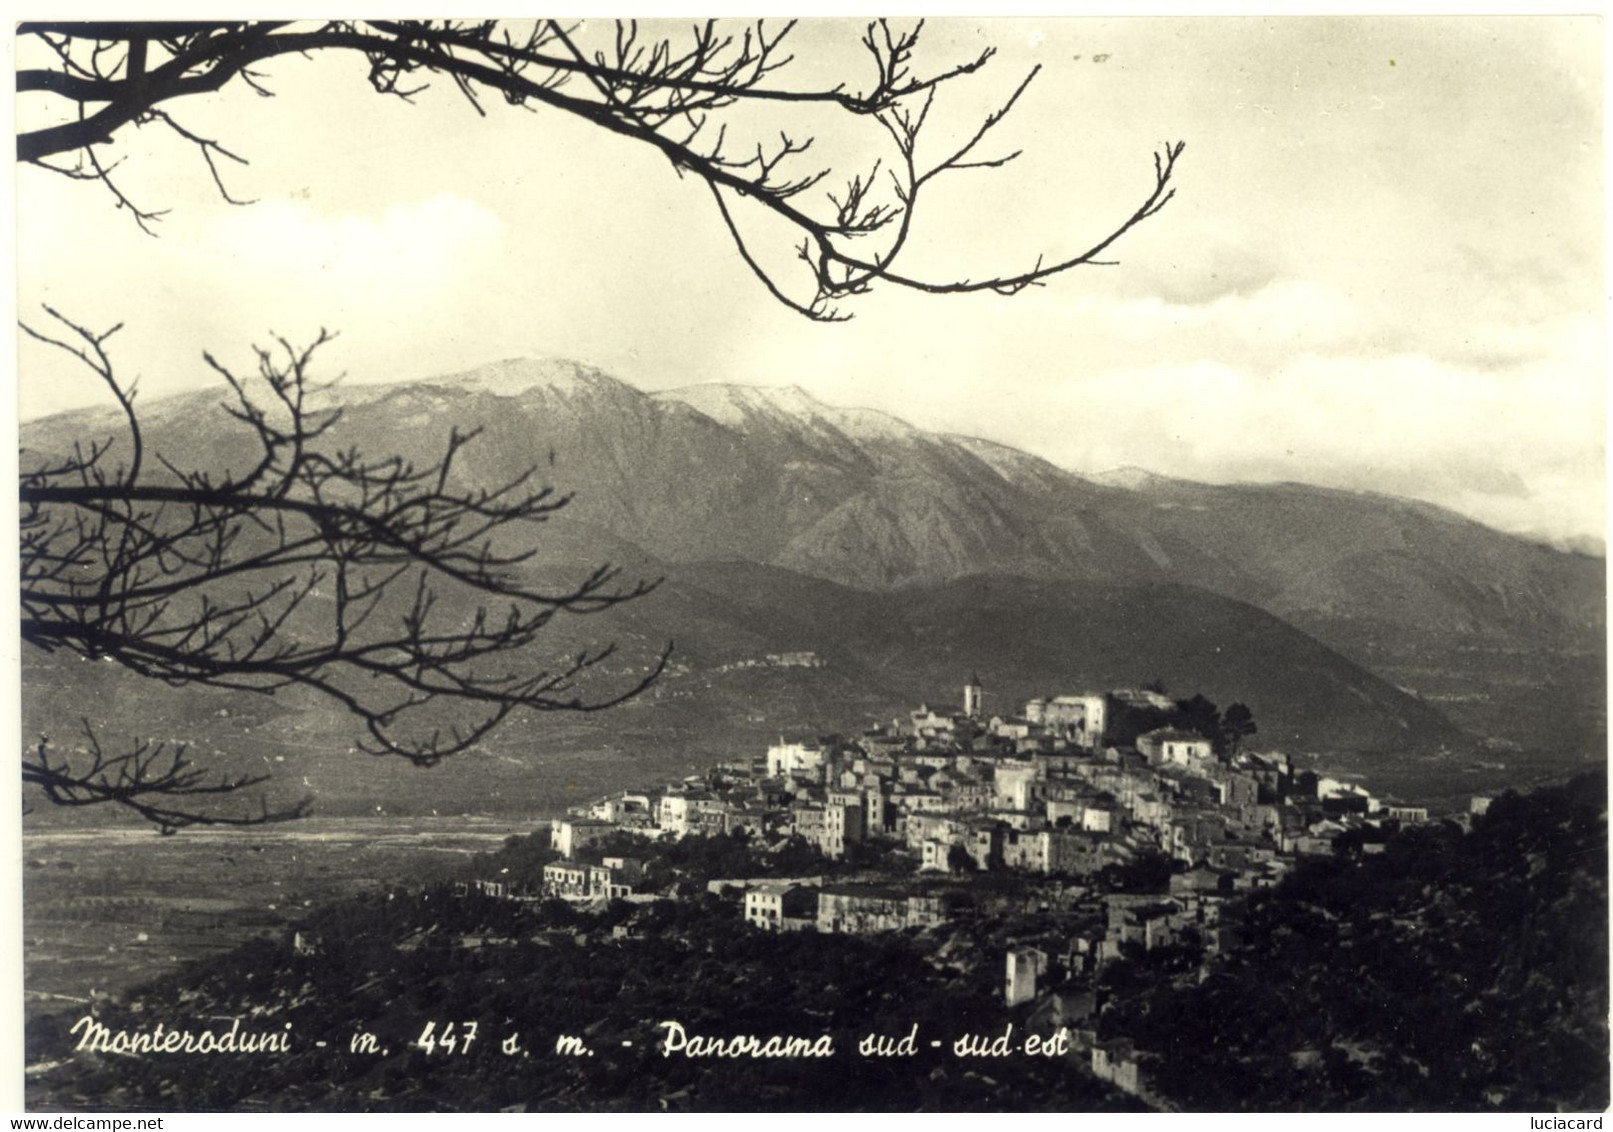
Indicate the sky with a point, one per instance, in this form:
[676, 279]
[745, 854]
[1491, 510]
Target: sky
[1383, 269]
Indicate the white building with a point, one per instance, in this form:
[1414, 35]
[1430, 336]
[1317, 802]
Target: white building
[1178, 748]
[1015, 785]
[842, 824]
[803, 758]
[1081, 718]
[571, 834]
[679, 813]
[764, 905]
[1024, 966]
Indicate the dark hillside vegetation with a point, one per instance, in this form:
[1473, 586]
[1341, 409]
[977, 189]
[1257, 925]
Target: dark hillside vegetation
[692, 962]
[1450, 973]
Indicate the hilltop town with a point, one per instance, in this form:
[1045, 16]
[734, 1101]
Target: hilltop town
[1091, 827]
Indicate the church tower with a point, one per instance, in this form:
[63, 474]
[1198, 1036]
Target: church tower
[973, 698]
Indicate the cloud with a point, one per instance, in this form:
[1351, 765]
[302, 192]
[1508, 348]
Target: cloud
[1523, 449]
[1289, 311]
[390, 283]
[408, 252]
[1199, 267]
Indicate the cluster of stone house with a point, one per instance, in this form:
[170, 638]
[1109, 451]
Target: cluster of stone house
[1046, 791]
[611, 878]
[801, 659]
[1054, 790]
[850, 908]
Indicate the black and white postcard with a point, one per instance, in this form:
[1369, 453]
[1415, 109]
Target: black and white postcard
[983, 564]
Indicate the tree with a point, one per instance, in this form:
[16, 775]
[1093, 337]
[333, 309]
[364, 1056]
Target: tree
[1149, 871]
[1237, 724]
[1197, 715]
[365, 579]
[705, 103]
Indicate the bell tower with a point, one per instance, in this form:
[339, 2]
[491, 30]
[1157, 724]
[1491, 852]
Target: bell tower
[973, 698]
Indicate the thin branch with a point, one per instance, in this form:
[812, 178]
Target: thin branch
[648, 90]
[145, 779]
[315, 567]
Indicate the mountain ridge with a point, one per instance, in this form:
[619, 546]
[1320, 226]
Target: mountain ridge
[1418, 594]
[515, 377]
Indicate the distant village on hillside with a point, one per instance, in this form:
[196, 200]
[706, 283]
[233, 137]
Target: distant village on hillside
[1122, 822]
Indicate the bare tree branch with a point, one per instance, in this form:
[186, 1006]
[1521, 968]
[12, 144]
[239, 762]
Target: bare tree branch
[153, 779]
[386, 587]
[676, 97]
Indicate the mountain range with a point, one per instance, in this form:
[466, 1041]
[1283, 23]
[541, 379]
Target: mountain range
[1349, 621]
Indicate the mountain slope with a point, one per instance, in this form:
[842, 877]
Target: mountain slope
[1471, 617]
[881, 655]
[856, 496]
